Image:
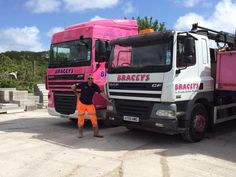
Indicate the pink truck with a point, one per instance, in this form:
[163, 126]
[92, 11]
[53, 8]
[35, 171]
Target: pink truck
[76, 52]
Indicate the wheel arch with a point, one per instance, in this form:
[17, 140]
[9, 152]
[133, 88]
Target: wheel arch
[206, 104]
[206, 99]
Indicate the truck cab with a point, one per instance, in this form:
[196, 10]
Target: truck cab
[76, 52]
[163, 82]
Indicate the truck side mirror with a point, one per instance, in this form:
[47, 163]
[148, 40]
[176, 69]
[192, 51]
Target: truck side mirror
[100, 51]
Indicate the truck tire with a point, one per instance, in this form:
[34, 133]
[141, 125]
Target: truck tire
[197, 124]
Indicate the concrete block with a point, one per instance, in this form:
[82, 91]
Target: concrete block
[30, 108]
[23, 103]
[33, 98]
[40, 90]
[2, 111]
[15, 110]
[4, 94]
[18, 95]
[8, 106]
[44, 97]
[42, 106]
[7, 89]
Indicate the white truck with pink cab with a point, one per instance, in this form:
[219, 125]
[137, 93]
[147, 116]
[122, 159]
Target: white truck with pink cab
[172, 82]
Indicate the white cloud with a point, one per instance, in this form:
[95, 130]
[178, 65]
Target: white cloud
[97, 18]
[80, 5]
[42, 6]
[185, 22]
[222, 19]
[128, 8]
[54, 30]
[20, 39]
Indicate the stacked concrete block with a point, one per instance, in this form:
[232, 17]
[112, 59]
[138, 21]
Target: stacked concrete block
[40, 90]
[22, 99]
[5, 94]
[6, 104]
[19, 95]
[33, 99]
[26, 104]
[10, 108]
[12, 100]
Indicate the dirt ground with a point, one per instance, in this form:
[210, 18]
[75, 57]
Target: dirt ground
[35, 144]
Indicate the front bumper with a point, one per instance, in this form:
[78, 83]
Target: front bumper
[166, 126]
[101, 114]
[151, 116]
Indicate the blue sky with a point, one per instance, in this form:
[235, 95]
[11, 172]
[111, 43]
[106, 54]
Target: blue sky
[29, 24]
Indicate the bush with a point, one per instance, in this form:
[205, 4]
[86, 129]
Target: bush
[30, 68]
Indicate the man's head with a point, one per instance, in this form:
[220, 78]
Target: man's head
[90, 79]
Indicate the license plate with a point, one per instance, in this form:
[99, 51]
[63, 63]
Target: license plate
[131, 118]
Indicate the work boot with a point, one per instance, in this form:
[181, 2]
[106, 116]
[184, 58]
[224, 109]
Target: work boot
[80, 132]
[96, 132]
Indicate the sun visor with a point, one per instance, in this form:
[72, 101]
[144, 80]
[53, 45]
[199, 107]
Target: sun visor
[143, 38]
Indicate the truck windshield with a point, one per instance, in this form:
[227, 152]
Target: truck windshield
[148, 57]
[72, 53]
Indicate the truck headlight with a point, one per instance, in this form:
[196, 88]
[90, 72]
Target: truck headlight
[110, 107]
[165, 113]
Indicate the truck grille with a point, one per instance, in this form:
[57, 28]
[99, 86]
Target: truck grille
[66, 77]
[134, 108]
[141, 90]
[63, 82]
[60, 85]
[65, 102]
[135, 86]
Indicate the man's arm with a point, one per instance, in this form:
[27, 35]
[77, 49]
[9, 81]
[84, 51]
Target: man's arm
[98, 90]
[105, 97]
[73, 87]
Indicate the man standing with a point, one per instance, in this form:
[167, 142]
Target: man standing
[85, 104]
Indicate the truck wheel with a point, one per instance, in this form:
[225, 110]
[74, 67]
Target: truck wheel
[197, 124]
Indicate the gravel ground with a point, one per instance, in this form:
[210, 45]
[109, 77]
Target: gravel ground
[35, 144]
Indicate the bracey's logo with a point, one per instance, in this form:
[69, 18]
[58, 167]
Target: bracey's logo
[186, 87]
[133, 77]
[64, 71]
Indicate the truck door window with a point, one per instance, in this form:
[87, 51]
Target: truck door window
[121, 56]
[181, 57]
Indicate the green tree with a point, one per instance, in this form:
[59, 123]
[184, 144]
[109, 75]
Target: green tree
[30, 68]
[149, 23]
